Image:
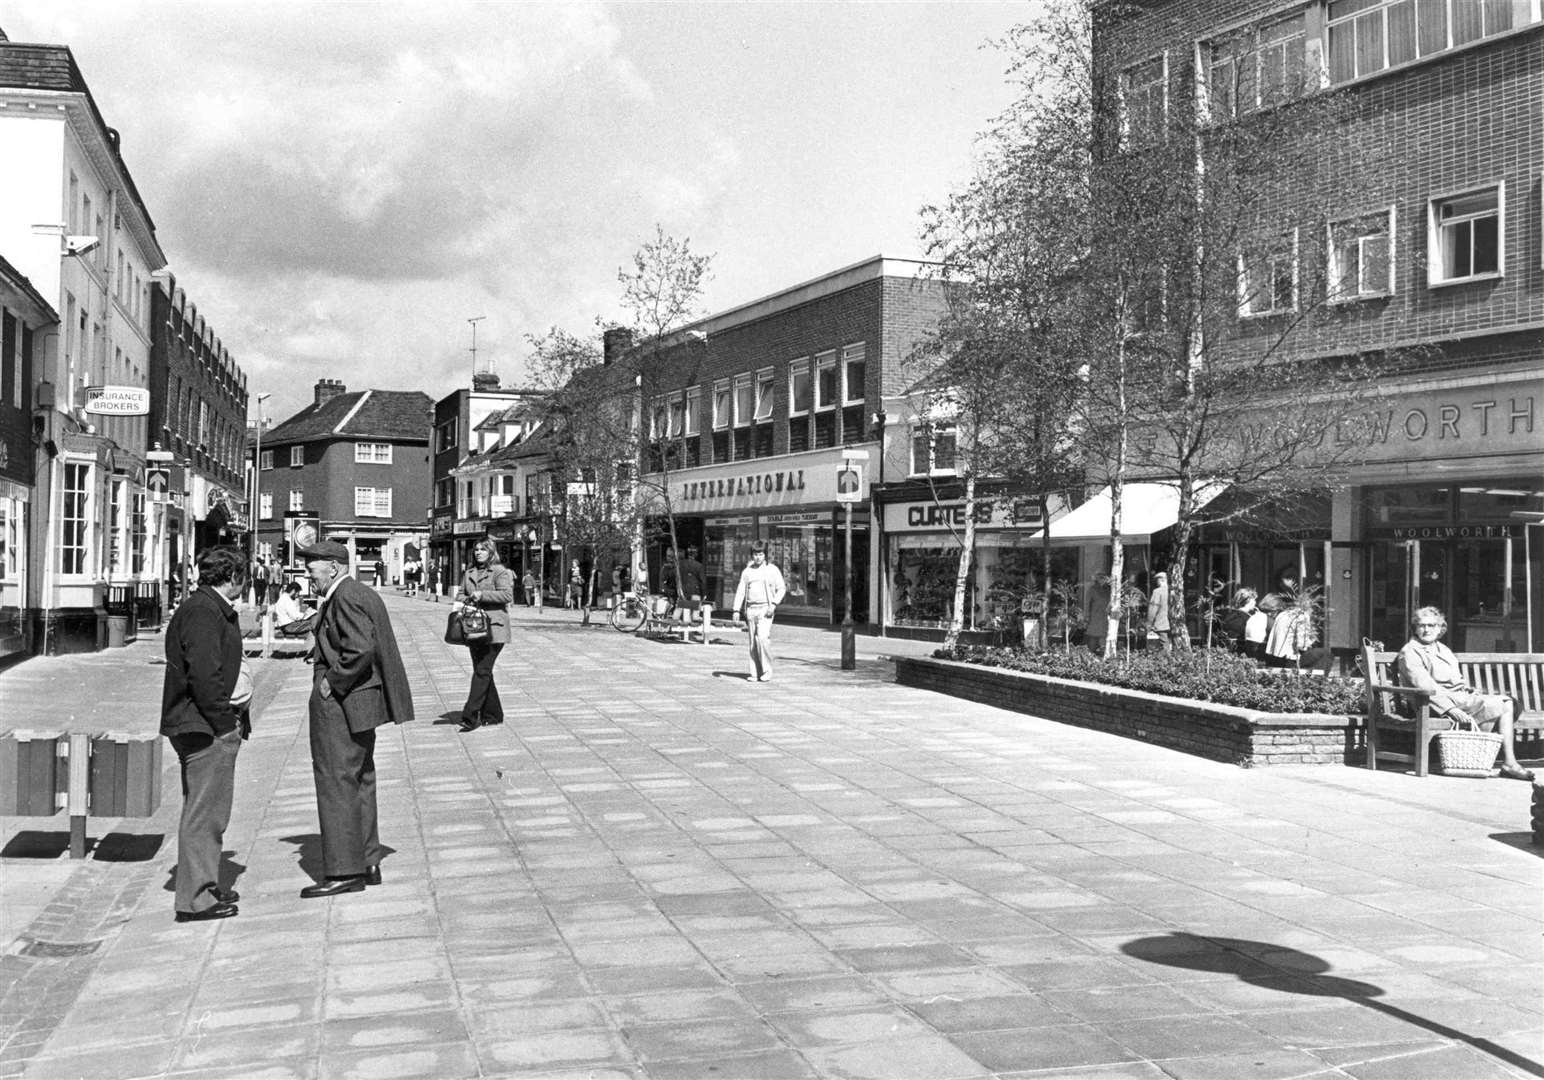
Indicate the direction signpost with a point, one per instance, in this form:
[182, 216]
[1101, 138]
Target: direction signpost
[849, 489]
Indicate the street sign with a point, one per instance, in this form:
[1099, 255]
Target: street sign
[851, 454]
[849, 482]
[157, 483]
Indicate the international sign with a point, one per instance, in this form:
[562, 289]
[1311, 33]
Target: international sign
[117, 400]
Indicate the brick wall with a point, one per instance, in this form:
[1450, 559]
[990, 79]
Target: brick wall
[1219, 732]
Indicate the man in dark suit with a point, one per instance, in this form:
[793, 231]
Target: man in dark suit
[205, 718]
[358, 684]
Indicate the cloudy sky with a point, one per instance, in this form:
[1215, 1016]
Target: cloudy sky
[340, 186]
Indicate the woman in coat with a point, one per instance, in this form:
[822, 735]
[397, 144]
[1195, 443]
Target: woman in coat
[491, 586]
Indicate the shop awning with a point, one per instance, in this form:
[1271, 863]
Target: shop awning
[1146, 508]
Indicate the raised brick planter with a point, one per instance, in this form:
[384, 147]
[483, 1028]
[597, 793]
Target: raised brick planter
[1220, 732]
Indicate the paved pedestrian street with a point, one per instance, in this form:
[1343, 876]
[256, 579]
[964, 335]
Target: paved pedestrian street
[657, 869]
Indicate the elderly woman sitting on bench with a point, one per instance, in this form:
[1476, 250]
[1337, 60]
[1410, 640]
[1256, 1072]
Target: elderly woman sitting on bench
[1427, 664]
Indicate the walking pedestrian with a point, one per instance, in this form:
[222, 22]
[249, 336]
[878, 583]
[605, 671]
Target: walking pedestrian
[527, 585]
[359, 683]
[380, 574]
[1159, 627]
[491, 586]
[204, 716]
[756, 598]
[434, 580]
[575, 587]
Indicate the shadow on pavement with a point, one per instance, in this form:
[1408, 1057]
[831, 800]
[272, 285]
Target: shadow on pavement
[310, 845]
[1522, 841]
[114, 847]
[452, 717]
[1292, 971]
[230, 872]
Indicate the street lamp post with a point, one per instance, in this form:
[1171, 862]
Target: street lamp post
[257, 474]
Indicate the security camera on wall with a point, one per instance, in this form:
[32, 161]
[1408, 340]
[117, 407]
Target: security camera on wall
[80, 245]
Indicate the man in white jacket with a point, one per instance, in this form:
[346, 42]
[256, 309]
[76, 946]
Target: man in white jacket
[761, 589]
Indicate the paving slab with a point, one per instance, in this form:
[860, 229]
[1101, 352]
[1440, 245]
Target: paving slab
[658, 869]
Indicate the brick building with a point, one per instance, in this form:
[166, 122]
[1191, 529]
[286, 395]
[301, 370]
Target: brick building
[768, 399]
[356, 467]
[1436, 253]
[198, 408]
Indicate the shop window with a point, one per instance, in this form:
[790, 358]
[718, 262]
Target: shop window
[1267, 277]
[1362, 257]
[75, 504]
[138, 535]
[1465, 237]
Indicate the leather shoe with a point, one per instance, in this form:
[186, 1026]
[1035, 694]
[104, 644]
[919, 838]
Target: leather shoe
[225, 896]
[334, 887]
[218, 911]
[1511, 772]
[469, 723]
[372, 875]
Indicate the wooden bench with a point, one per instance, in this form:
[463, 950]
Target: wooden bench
[1391, 707]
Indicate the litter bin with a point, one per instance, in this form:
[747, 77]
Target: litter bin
[117, 631]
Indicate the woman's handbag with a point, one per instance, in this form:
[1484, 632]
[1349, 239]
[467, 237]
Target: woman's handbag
[467, 626]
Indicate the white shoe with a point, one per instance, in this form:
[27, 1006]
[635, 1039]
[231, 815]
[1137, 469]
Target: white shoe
[765, 678]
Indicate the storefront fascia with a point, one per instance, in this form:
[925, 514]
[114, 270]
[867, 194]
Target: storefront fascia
[790, 502]
[1447, 510]
[923, 539]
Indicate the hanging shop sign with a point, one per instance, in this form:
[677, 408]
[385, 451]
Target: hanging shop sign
[117, 400]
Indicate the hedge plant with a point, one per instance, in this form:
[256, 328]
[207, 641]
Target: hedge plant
[1199, 674]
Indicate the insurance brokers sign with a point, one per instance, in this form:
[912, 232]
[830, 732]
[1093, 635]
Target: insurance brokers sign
[117, 400]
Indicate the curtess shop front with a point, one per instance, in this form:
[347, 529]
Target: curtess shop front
[788, 501]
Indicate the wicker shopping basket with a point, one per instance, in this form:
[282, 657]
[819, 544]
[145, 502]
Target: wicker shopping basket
[1467, 752]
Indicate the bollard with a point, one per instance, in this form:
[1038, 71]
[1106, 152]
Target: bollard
[78, 749]
[707, 622]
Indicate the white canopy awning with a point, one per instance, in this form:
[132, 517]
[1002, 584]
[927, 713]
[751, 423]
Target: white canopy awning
[1146, 508]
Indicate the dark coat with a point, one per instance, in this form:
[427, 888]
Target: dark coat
[203, 658]
[357, 652]
[495, 588]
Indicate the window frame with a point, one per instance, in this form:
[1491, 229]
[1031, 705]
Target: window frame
[825, 362]
[1132, 134]
[1253, 50]
[932, 433]
[857, 352]
[723, 405]
[297, 456]
[743, 381]
[265, 461]
[1247, 295]
[369, 453]
[297, 498]
[1436, 251]
[1335, 241]
[693, 411]
[374, 495]
[796, 369]
[1380, 10]
[764, 396]
[265, 505]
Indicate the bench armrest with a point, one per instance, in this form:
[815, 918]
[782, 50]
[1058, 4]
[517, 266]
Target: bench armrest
[1407, 691]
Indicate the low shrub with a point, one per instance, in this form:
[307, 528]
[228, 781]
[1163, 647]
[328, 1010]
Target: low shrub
[1199, 674]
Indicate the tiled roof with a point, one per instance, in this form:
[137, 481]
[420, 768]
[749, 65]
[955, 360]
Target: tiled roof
[399, 415]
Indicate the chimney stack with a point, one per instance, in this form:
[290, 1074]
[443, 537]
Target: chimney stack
[485, 380]
[327, 389]
[615, 342]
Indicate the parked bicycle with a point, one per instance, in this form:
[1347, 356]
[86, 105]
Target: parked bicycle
[638, 609]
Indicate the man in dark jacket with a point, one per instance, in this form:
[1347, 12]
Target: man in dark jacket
[359, 683]
[205, 726]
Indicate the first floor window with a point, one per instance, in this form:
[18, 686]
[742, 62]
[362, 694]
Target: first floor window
[1268, 277]
[1144, 93]
[764, 395]
[372, 502]
[266, 460]
[75, 507]
[801, 393]
[825, 380]
[297, 499]
[932, 450]
[1362, 257]
[370, 453]
[265, 505]
[1466, 236]
[743, 404]
[723, 407]
[297, 456]
[694, 410]
[854, 371]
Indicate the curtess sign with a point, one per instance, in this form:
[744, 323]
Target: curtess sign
[989, 514]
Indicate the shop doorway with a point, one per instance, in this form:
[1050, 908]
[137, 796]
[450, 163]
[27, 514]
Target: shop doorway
[1482, 585]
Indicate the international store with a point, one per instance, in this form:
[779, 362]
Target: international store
[790, 501]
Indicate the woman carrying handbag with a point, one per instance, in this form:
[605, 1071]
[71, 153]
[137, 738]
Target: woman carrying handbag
[489, 586]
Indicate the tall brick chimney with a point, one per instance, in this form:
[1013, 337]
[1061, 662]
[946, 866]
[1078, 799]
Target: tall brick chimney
[327, 389]
[615, 342]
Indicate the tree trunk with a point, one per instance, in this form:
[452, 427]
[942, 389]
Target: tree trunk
[962, 575]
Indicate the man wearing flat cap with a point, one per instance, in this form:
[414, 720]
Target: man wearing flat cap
[358, 684]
